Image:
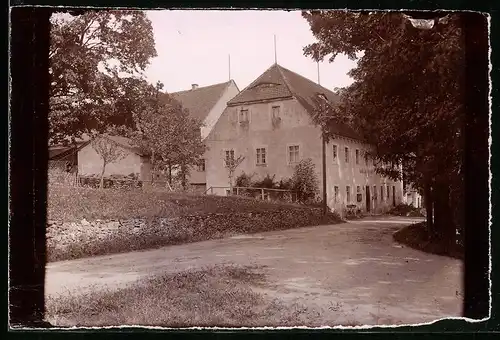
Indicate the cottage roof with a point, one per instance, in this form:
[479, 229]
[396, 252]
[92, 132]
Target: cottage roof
[126, 143]
[200, 101]
[59, 152]
[278, 82]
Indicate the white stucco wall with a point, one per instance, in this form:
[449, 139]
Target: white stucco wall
[215, 113]
[90, 163]
[296, 128]
[341, 174]
[199, 177]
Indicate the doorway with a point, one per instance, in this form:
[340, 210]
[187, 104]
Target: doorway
[393, 196]
[368, 199]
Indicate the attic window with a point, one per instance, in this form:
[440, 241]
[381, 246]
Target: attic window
[323, 97]
[265, 85]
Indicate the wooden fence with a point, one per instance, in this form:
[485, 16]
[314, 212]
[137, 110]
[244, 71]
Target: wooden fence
[258, 193]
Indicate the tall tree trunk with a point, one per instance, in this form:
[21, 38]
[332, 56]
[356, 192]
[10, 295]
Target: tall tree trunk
[444, 222]
[230, 183]
[101, 183]
[153, 170]
[428, 207]
[183, 177]
[170, 174]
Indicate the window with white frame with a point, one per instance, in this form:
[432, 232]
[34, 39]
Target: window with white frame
[381, 192]
[348, 193]
[357, 157]
[335, 153]
[346, 151]
[228, 156]
[388, 191]
[335, 194]
[293, 154]
[261, 156]
[375, 192]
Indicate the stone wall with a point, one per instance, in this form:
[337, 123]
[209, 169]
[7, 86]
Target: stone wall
[76, 240]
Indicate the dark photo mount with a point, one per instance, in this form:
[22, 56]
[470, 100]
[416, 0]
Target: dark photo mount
[28, 164]
[476, 264]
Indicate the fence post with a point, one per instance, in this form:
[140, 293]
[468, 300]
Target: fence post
[237, 191]
[262, 193]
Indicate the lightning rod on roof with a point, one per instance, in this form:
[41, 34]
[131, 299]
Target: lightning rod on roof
[318, 73]
[275, 56]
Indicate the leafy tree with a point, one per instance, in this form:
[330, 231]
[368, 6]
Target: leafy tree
[304, 181]
[96, 58]
[109, 151]
[165, 130]
[406, 99]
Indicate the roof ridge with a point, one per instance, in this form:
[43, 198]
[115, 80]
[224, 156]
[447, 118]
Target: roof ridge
[285, 79]
[201, 87]
[256, 80]
[228, 83]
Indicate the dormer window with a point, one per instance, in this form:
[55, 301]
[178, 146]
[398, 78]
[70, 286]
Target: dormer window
[243, 117]
[265, 85]
[322, 97]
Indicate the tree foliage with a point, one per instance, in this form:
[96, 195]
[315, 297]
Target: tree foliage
[304, 181]
[96, 59]
[166, 131]
[407, 95]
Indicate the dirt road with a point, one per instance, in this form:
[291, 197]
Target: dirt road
[354, 270]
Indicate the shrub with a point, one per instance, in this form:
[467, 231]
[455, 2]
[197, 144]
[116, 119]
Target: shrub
[285, 184]
[244, 180]
[266, 182]
[305, 182]
[406, 210]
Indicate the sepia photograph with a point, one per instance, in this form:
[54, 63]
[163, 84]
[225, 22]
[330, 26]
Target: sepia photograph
[260, 168]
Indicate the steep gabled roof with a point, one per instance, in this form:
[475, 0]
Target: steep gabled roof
[201, 100]
[278, 82]
[269, 85]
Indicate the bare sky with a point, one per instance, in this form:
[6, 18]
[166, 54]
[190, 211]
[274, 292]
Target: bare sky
[193, 47]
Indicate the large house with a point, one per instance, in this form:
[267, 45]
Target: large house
[206, 104]
[269, 123]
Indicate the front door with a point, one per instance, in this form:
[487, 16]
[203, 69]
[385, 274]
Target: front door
[368, 198]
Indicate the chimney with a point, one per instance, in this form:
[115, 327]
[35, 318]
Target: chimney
[194, 86]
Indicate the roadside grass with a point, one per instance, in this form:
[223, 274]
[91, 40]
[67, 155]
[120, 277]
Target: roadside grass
[149, 220]
[72, 204]
[417, 237]
[219, 296]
